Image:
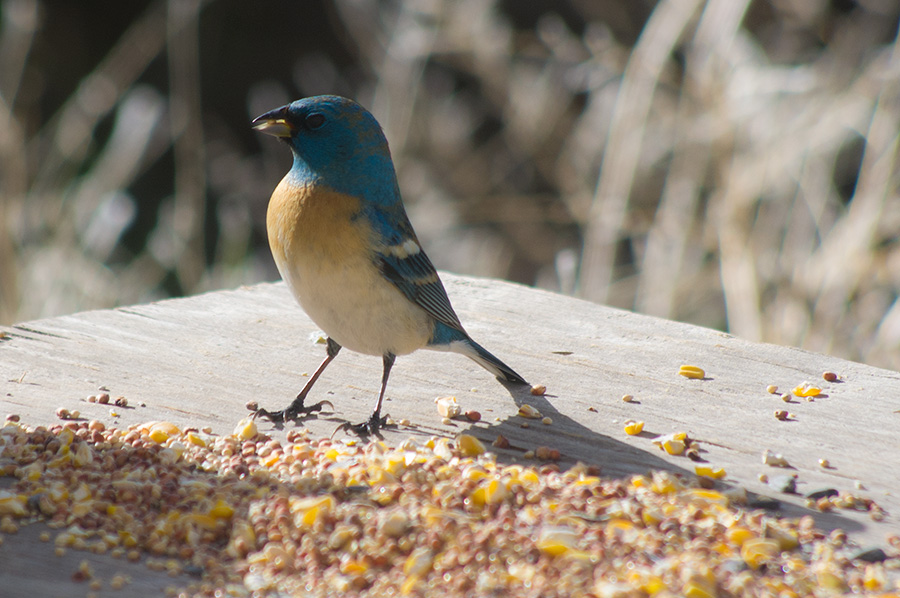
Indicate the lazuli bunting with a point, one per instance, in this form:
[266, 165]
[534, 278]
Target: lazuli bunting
[345, 247]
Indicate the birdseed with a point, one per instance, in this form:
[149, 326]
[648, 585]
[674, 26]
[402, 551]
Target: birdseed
[255, 516]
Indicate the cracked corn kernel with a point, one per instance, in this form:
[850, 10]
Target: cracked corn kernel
[771, 389]
[692, 371]
[246, 429]
[529, 412]
[418, 562]
[13, 504]
[221, 510]
[557, 540]
[470, 446]
[737, 535]
[395, 524]
[716, 473]
[627, 399]
[673, 444]
[633, 427]
[757, 551]
[448, 407]
[774, 459]
[806, 390]
[538, 390]
[195, 439]
[159, 432]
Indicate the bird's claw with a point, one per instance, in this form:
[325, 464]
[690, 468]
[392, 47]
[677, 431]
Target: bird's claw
[370, 427]
[292, 412]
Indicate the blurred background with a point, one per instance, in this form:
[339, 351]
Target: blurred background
[731, 163]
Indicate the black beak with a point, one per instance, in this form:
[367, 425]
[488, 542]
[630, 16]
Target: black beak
[275, 122]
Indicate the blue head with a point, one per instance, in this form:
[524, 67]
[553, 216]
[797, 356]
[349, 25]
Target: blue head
[336, 143]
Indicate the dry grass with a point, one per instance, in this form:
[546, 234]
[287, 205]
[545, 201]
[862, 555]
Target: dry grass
[735, 166]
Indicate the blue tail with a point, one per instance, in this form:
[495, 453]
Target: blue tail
[449, 339]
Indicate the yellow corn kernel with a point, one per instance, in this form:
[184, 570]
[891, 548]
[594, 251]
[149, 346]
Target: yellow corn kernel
[529, 412]
[705, 497]
[158, 436]
[207, 522]
[495, 491]
[756, 551]
[774, 459]
[529, 477]
[195, 439]
[874, 577]
[831, 579]
[624, 529]
[587, 480]
[469, 446]
[673, 446]
[737, 535]
[664, 483]
[394, 524]
[698, 589]
[707, 471]
[159, 432]
[409, 586]
[33, 472]
[448, 406]
[633, 427]
[640, 481]
[787, 540]
[806, 390]
[651, 516]
[83, 455]
[82, 493]
[352, 567]
[653, 585]
[692, 371]
[308, 510]
[474, 473]
[557, 540]
[246, 429]
[221, 510]
[418, 562]
[13, 504]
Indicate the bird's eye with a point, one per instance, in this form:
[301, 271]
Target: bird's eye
[315, 121]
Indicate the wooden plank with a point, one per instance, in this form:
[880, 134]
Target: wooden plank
[197, 361]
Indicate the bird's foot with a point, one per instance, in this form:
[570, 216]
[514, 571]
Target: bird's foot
[292, 412]
[370, 427]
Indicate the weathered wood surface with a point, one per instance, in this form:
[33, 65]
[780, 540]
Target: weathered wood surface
[197, 361]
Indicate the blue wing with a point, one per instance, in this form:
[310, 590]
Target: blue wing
[403, 262]
[411, 271]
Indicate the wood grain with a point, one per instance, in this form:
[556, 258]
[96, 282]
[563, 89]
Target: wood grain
[197, 361]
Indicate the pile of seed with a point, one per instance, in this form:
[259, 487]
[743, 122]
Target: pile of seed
[249, 515]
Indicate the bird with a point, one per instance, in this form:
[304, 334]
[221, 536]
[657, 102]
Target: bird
[345, 247]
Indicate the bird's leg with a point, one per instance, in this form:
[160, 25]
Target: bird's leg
[297, 408]
[375, 421]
